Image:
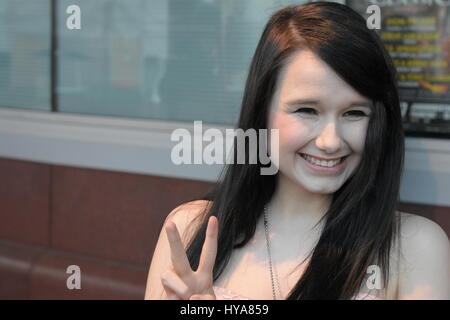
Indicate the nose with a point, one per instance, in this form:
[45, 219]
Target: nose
[328, 140]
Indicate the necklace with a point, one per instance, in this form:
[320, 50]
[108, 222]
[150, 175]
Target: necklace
[266, 226]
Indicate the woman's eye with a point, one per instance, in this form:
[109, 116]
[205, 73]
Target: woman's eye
[306, 110]
[357, 113]
[352, 114]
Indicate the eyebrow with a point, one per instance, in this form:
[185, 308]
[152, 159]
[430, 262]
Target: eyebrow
[310, 101]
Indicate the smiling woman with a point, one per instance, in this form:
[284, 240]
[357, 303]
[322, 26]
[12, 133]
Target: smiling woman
[326, 225]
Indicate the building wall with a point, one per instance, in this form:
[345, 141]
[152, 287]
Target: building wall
[105, 222]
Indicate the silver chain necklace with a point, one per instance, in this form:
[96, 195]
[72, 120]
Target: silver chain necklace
[266, 226]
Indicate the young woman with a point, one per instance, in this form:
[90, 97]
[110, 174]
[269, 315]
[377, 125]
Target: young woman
[325, 226]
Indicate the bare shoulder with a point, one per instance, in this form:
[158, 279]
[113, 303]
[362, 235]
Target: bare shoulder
[189, 210]
[421, 232]
[187, 216]
[424, 259]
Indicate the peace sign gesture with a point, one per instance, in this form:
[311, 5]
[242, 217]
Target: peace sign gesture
[181, 282]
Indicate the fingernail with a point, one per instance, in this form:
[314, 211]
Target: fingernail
[212, 227]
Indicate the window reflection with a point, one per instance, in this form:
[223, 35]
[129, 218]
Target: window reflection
[25, 54]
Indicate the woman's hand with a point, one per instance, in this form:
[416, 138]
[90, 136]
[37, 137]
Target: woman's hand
[181, 282]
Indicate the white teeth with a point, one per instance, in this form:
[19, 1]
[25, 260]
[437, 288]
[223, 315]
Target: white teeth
[322, 163]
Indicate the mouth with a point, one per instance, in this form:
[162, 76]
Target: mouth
[323, 163]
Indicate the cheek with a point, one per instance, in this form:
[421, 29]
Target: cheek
[292, 133]
[292, 139]
[355, 136]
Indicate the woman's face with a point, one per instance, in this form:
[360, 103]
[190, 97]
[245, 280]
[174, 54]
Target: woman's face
[319, 115]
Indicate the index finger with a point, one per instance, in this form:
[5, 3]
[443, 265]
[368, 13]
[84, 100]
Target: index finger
[177, 253]
[209, 249]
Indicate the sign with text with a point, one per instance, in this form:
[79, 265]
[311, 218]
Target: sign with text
[417, 36]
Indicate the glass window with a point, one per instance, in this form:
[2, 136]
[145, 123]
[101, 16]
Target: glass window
[161, 59]
[25, 54]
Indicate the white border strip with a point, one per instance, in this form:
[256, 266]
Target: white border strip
[144, 146]
[97, 142]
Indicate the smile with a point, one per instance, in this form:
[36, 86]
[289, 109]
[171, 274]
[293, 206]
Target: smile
[332, 167]
[322, 163]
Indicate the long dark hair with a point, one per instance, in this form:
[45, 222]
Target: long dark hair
[361, 224]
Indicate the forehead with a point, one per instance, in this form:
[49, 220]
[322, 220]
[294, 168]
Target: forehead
[306, 75]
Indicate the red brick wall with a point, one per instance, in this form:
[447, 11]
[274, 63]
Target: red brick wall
[105, 222]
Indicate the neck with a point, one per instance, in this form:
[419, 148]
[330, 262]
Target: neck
[295, 208]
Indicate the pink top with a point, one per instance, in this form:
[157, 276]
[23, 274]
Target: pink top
[225, 294]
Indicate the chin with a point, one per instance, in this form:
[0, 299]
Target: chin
[323, 189]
